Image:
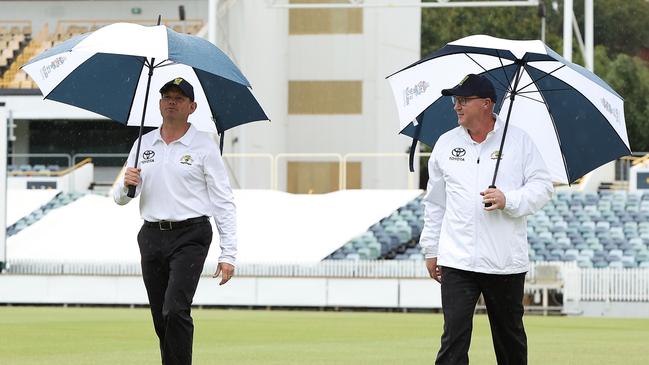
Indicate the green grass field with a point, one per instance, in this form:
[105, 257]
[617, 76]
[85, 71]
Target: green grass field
[89, 336]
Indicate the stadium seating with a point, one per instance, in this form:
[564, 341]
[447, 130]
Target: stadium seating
[19, 45]
[15, 42]
[600, 230]
[28, 169]
[394, 237]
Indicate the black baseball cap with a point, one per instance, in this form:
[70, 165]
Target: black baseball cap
[185, 87]
[473, 85]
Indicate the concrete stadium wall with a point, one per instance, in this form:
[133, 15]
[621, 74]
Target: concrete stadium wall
[613, 309]
[242, 291]
[329, 284]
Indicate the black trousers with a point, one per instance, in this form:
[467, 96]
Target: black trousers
[172, 262]
[503, 295]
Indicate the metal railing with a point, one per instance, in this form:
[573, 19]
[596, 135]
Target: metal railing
[98, 155]
[411, 175]
[338, 157]
[263, 156]
[276, 165]
[42, 155]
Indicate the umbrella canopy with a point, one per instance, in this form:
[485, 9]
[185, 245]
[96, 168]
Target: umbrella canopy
[107, 72]
[575, 119]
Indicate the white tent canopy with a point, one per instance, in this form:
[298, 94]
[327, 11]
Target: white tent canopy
[273, 227]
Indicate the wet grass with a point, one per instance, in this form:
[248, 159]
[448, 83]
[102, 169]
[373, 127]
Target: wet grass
[94, 336]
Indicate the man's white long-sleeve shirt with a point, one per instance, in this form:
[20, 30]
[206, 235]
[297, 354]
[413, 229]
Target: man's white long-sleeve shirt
[457, 228]
[182, 180]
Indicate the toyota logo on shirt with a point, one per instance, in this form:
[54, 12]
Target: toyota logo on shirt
[147, 156]
[457, 154]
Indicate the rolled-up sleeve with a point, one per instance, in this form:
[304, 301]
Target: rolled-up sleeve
[434, 207]
[222, 205]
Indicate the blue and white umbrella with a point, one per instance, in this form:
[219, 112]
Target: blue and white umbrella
[575, 119]
[117, 69]
[107, 72]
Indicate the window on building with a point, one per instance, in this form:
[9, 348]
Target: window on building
[325, 97]
[325, 21]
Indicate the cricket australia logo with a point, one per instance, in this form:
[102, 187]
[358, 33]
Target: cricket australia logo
[53, 65]
[187, 160]
[410, 92]
[496, 155]
[457, 154]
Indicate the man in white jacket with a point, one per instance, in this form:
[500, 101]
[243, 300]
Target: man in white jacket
[475, 237]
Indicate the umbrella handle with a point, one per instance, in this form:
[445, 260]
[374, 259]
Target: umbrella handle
[131, 188]
[486, 205]
[131, 191]
[415, 140]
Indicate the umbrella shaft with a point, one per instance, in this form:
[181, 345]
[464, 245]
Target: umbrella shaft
[509, 113]
[131, 189]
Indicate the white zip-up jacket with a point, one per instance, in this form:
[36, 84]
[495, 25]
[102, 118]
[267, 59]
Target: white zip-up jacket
[457, 228]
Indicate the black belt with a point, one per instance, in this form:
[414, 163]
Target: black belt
[169, 225]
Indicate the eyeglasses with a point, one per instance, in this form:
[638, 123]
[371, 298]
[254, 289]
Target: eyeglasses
[462, 99]
[175, 99]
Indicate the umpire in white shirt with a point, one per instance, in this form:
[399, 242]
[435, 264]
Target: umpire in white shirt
[181, 181]
[472, 249]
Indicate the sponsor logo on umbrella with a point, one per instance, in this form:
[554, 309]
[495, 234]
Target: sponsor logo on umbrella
[613, 111]
[56, 63]
[410, 92]
[457, 154]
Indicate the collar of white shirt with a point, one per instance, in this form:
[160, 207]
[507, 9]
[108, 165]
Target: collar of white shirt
[186, 139]
[497, 126]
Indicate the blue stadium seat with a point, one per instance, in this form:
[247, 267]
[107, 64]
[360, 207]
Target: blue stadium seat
[584, 263]
[642, 256]
[602, 227]
[600, 264]
[616, 265]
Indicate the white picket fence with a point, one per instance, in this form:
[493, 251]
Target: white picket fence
[615, 285]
